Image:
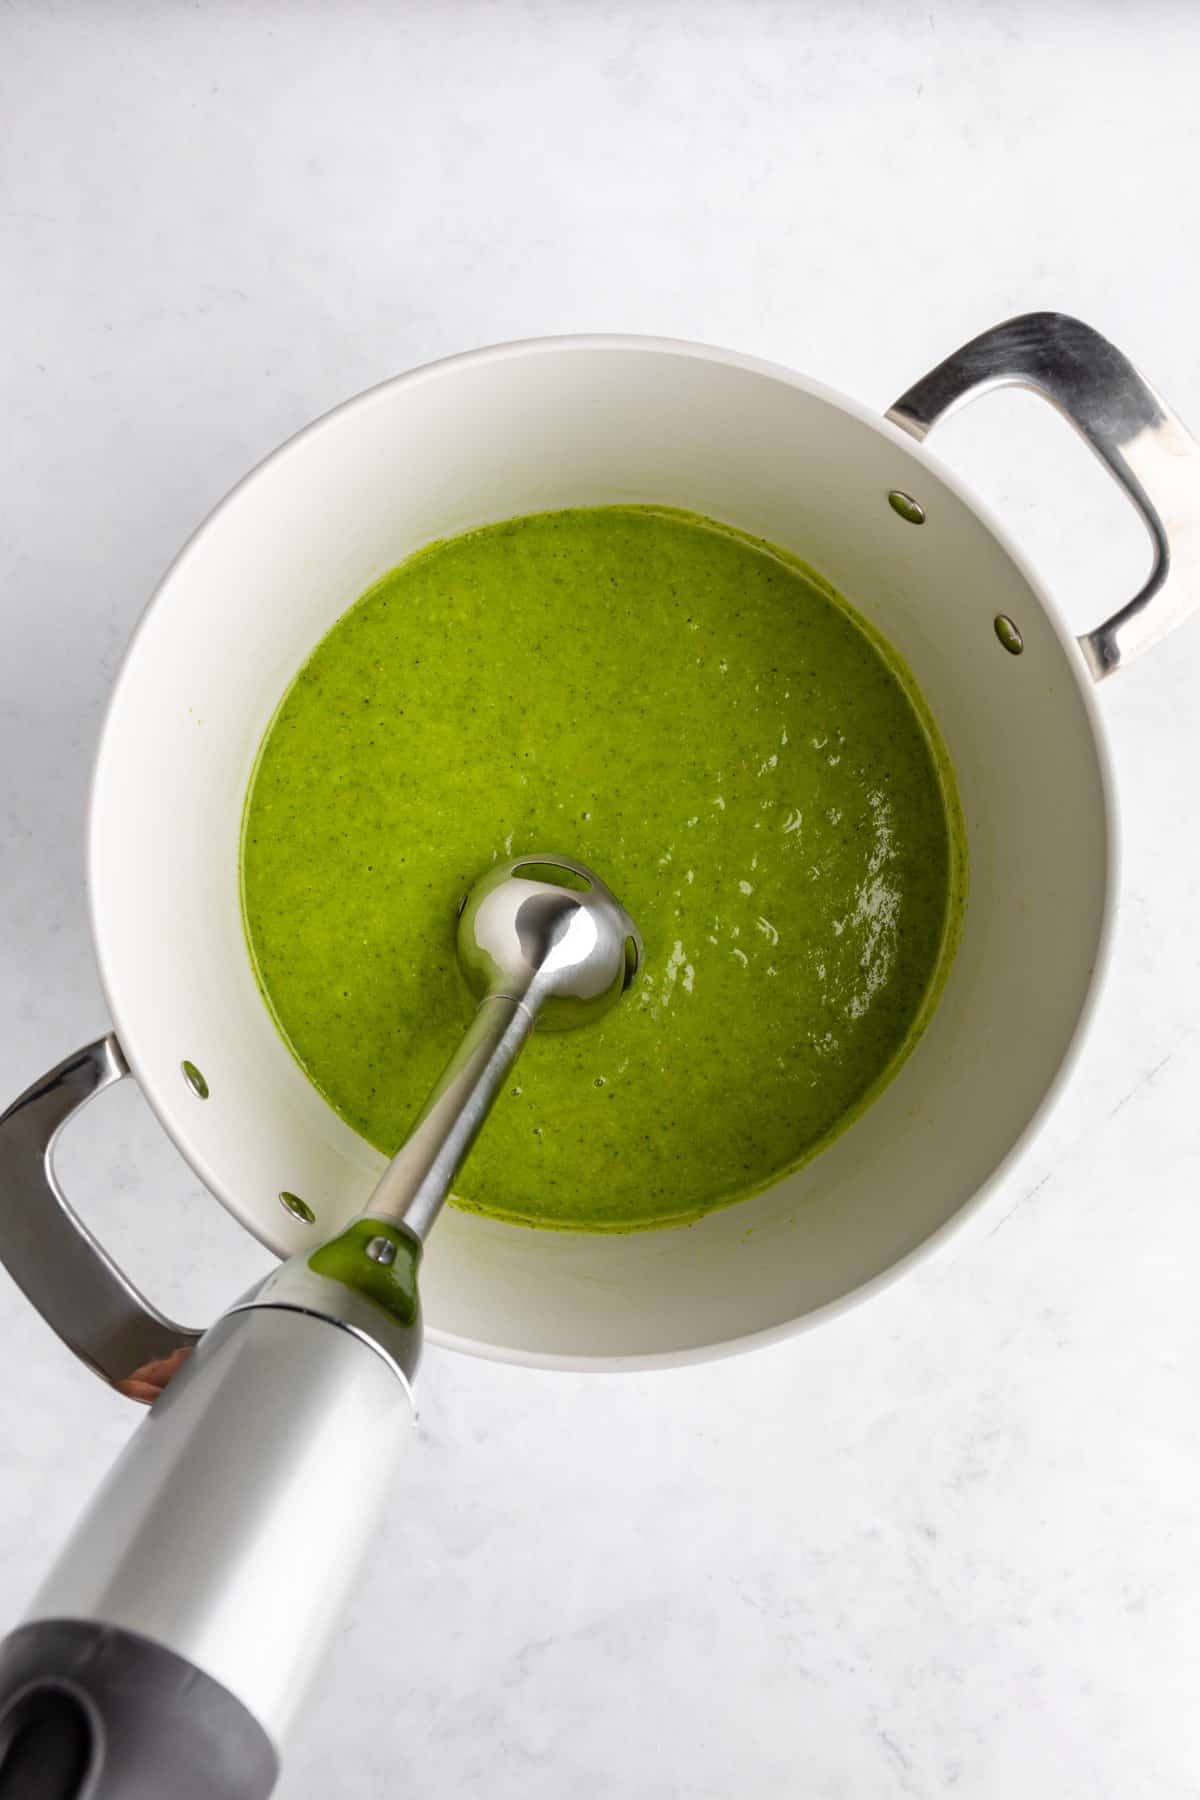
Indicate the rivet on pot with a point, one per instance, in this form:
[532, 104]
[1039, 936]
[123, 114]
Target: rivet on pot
[194, 1079]
[1008, 634]
[909, 509]
[299, 1209]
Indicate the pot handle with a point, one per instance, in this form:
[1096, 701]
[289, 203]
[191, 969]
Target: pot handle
[1133, 431]
[46, 1247]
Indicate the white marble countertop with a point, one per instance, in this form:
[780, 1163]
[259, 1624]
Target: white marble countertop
[951, 1543]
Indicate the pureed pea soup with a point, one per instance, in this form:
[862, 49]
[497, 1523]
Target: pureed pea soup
[707, 723]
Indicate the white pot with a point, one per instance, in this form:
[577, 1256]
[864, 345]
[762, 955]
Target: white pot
[585, 421]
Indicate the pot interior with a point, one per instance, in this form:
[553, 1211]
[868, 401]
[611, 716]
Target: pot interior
[588, 422]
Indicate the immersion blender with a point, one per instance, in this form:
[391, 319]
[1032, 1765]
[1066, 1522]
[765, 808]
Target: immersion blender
[171, 1645]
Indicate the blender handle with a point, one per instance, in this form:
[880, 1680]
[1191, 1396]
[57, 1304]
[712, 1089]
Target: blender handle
[189, 1609]
[48, 1250]
[1124, 421]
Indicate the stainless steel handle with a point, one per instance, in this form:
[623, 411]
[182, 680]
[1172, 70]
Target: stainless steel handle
[46, 1247]
[1125, 421]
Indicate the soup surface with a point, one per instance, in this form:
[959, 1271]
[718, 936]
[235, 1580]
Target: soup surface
[704, 721]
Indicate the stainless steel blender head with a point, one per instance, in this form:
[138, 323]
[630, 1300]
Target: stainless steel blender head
[541, 941]
[546, 931]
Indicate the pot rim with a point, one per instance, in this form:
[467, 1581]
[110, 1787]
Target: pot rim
[974, 1203]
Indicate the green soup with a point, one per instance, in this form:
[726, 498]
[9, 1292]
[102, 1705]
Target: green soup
[708, 724]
